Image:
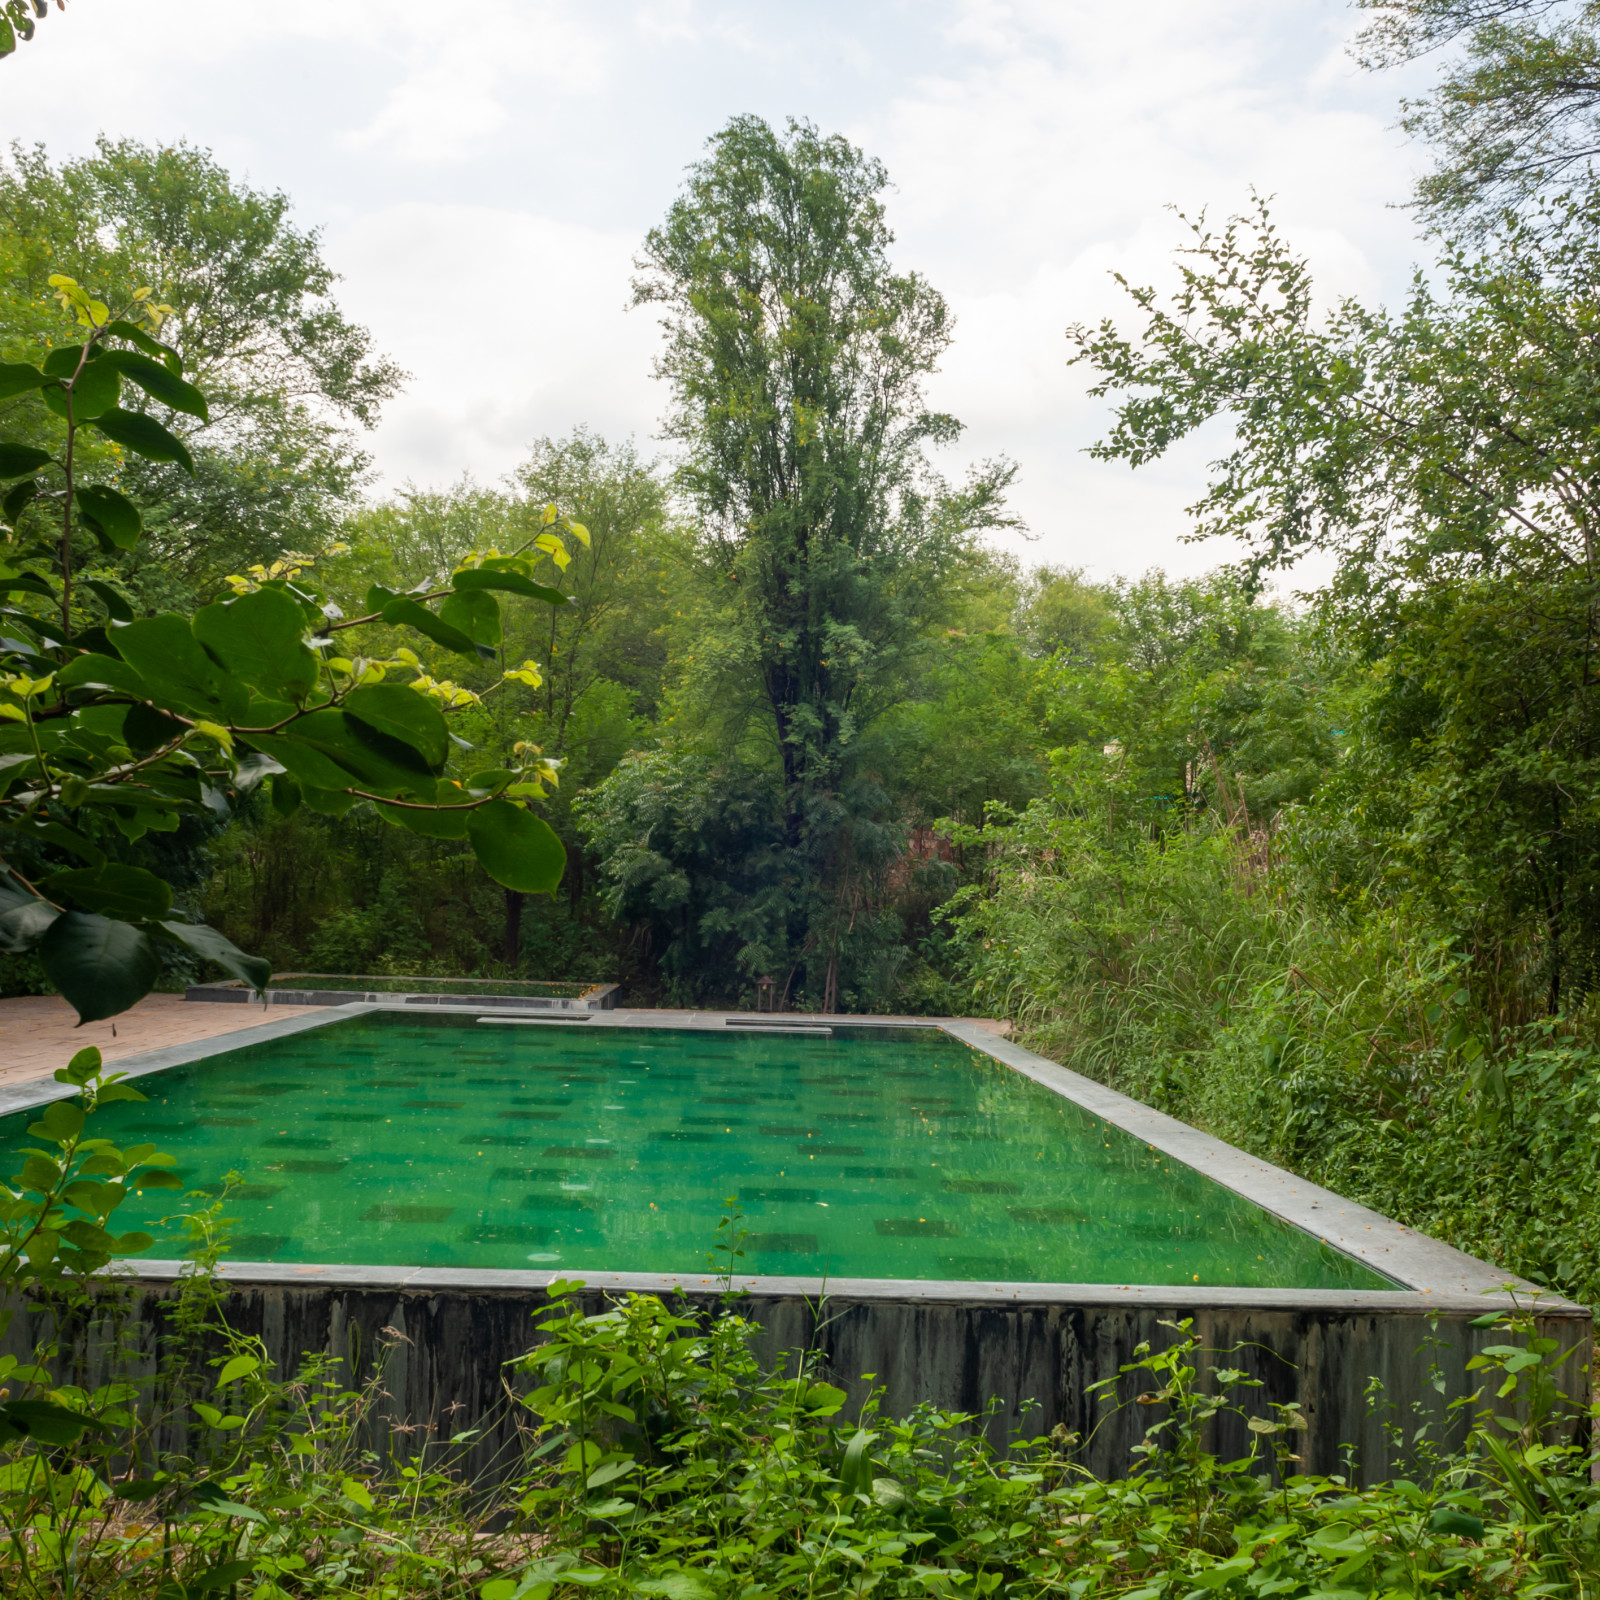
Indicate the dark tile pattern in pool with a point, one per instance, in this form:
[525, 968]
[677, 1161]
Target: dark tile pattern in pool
[384, 1139]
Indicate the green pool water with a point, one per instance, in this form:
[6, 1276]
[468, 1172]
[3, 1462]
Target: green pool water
[446, 1142]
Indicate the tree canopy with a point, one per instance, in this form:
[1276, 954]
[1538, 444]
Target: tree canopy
[1515, 114]
[254, 320]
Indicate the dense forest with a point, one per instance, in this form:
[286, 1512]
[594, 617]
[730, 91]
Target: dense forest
[1318, 869]
[765, 712]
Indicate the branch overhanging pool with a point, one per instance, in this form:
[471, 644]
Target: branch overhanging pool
[871, 1152]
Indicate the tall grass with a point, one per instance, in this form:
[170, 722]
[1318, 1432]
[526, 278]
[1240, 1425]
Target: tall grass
[1203, 971]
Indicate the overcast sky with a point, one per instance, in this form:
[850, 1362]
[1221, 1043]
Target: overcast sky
[482, 173]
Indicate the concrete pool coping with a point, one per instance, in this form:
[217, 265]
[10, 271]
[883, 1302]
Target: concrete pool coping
[1437, 1278]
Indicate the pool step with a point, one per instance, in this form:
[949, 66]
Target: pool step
[752, 1026]
[556, 1017]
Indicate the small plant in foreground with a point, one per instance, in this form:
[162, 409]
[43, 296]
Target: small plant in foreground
[653, 1454]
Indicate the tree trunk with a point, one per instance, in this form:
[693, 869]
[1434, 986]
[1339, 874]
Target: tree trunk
[514, 901]
[574, 882]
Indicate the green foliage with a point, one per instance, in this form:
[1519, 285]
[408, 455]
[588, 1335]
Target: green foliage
[1216, 908]
[796, 357]
[1441, 458]
[255, 325]
[658, 1457]
[1515, 117]
[697, 854]
[112, 730]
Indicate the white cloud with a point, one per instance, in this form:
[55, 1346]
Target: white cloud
[458, 84]
[1043, 159]
[484, 173]
[511, 325]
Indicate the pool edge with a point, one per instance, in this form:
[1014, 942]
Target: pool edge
[1436, 1277]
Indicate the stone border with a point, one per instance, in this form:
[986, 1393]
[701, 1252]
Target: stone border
[597, 997]
[1437, 1278]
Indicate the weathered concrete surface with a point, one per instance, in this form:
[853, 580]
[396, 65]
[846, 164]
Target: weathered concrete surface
[443, 1351]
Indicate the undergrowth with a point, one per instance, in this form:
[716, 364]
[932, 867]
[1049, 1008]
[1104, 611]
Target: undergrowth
[1212, 971]
[654, 1455]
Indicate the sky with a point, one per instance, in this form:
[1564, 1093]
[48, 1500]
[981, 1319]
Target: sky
[482, 174]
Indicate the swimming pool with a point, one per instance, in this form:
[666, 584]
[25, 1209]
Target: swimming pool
[903, 1153]
[971, 1225]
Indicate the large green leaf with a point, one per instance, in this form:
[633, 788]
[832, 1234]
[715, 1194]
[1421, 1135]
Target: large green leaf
[261, 638]
[165, 653]
[409, 613]
[443, 822]
[143, 435]
[94, 391]
[158, 381]
[17, 377]
[328, 802]
[406, 715]
[104, 722]
[516, 848]
[511, 582]
[213, 946]
[1446, 1519]
[382, 752]
[44, 1421]
[28, 583]
[13, 894]
[23, 926]
[18, 498]
[62, 361]
[164, 353]
[475, 612]
[145, 729]
[68, 839]
[17, 460]
[14, 765]
[325, 749]
[101, 967]
[307, 763]
[115, 515]
[113, 890]
[104, 672]
[285, 792]
[676, 1586]
[113, 600]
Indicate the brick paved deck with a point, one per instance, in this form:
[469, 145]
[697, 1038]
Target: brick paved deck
[38, 1032]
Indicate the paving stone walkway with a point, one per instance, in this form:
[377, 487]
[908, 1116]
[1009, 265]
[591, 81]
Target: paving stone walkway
[38, 1033]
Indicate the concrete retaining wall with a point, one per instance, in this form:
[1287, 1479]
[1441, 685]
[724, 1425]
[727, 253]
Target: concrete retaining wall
[444, 1347]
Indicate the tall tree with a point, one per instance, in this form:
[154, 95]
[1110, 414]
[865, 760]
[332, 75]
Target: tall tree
[796, 356]
[1443, 457]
